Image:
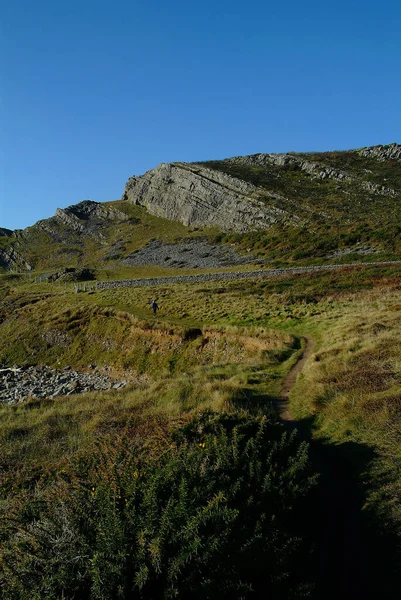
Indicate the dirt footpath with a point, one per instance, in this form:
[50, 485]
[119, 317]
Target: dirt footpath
[290, 379]
[351, 551]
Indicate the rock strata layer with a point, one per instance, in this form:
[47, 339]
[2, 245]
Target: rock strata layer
[88, 217]
[10, 259]
[22, 383]
[316, 170]
[388, 152]
[319, 171]
[199, 197]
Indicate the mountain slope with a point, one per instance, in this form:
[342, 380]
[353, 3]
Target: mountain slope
[253, 192]
[86, 234]
[286, 207]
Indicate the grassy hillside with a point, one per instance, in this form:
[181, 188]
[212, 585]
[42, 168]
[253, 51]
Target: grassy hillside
[348, 215]
[182, 462]
[328, 198]
[184, 483]
[52, 244]
[223, 348]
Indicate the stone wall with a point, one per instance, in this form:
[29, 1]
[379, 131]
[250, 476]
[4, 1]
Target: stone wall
[205, 277]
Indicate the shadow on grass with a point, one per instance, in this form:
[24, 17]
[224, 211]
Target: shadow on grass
[358, 555]
[254, 403]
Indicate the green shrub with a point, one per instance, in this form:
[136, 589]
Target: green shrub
[221, 514]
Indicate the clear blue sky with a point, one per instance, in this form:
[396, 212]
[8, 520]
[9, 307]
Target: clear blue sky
[92, 92]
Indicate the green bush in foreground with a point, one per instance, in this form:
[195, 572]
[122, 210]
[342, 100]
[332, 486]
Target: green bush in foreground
[221, 514]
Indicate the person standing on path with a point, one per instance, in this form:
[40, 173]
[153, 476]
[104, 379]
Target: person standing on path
[154, 306]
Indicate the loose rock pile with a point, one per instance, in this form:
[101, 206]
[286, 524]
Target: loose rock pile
[20, 383]
[191, 254]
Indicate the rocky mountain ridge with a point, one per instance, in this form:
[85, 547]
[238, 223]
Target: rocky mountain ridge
[316, 170]
[65, 234]
[232, 196]
[89, 217]
[388, 152]
[257, 193]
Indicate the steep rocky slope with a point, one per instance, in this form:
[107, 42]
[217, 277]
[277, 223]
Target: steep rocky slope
[253, 192]
[199, 196]
[61, 235]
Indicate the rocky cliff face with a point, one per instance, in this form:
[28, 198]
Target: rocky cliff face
[253, 192]
[11, 253]
[330, 193]
[198, 196]
[10, 259]
[88, 217]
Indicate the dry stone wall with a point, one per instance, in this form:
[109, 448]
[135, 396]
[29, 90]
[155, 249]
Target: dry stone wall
[205, 277]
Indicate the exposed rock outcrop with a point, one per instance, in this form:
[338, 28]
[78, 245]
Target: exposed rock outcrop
[198, 196]
[281, 160]
[388, 152]
[206, 195]
[10, 259]
[71, 274]
[320, 171]
[382, 190]
[88, 216]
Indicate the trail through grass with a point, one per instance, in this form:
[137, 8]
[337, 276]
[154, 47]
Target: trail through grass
[223, 347]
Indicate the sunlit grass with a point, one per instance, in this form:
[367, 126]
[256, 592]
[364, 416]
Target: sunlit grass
[215, 345]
